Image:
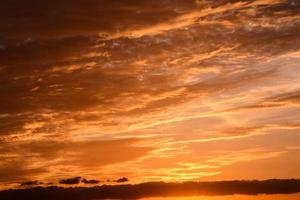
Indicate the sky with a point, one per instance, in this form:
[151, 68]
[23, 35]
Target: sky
[169, 90]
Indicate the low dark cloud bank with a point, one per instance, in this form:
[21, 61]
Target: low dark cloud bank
[31, 183]
[74, 180]
[92, 181]
[122, 180]
[77, 180]
[155, 189]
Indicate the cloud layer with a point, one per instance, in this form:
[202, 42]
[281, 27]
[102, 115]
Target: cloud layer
[150, 90]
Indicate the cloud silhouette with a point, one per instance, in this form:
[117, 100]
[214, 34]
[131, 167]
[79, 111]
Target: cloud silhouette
[155, 189]
[31, 183]
[92, 181]
[122, 180]
[69, 181]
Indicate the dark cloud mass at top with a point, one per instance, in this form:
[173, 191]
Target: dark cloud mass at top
[52, 19]
[102, 87]
[81, 70]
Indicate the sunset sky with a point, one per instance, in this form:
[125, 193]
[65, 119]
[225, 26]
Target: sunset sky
[151, 90]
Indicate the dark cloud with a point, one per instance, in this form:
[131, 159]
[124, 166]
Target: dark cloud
[91, 181]
[68, 181]
[157, 189]
[33, 77]
[122, 180]
[71, 181]
[31, 183]
[82, 17]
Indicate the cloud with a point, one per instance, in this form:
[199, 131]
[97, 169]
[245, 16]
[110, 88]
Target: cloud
[40, 76]
[16, 170]
[91, 181]
[83, 17]
[284, 99]
[158, 189]
[71, 181]
[49, 156]
[122, 180]
[68, 181]
[89, 74]
[31, 183]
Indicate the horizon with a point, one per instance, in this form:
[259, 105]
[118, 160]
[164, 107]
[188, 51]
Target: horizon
[272, 187]
[118, 92]
[80, 182]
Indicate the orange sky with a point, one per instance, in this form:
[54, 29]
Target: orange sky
[149, 90]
